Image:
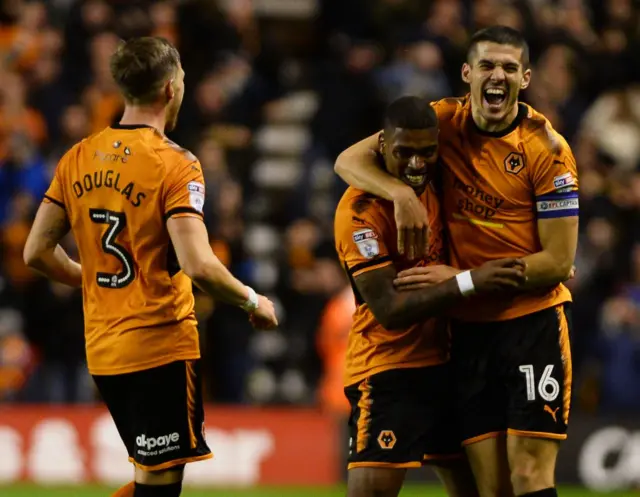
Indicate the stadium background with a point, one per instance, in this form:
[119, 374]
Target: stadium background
[275, 89]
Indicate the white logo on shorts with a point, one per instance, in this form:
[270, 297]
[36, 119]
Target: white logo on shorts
[163, 443]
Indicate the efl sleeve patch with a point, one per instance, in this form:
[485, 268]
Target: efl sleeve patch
[196, 195]
[367, 242]
[558, 204]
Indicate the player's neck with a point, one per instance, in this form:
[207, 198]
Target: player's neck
[494, 127]
[148, 116]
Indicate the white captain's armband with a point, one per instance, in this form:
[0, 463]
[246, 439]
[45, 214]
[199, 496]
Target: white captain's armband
[557, 204]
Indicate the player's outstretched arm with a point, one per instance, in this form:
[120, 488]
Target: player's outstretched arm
[42, 252]
[397, 309]
[196, 258]
[554, 263]
[358, 167]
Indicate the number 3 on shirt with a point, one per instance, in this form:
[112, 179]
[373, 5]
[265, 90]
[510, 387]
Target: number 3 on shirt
[115, 221]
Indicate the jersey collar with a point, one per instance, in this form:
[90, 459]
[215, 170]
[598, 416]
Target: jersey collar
[130, 126]
[523, 111]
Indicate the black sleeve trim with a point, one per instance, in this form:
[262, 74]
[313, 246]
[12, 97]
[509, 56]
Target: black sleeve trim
[53, 200]
[365, 265]
[182, 210]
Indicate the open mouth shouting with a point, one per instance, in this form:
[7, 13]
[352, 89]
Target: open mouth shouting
[494, 98]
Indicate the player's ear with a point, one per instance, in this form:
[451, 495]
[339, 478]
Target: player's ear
[466, 70]
[526, 79]
[381, 144]
[169, 91]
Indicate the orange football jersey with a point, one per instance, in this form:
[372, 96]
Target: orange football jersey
[366, 239]
[118, 188]
[495, 188]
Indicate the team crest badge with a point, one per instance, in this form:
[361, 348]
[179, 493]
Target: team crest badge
[387, 439]
[514, 163]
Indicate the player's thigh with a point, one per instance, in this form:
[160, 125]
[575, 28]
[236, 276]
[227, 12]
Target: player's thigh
[159, 478]
[532, 462]
[490, 466]
[375, 482]
[539, 375]
[457, 478]
[386, 426]
[481, 397]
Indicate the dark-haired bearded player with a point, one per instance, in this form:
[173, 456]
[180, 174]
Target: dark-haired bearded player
[509, 189]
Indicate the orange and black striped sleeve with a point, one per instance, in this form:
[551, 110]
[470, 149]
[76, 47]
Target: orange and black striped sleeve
[184, 190]
[360, 240]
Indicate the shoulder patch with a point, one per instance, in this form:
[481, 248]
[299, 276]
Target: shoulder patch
[367, 242]
[196, 195]
[564, 180]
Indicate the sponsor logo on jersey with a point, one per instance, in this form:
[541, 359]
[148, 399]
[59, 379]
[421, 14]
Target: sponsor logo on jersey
[196, 195]
[564, 180]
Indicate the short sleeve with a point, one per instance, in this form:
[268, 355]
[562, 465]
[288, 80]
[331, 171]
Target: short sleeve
[360, 240]
[185, 191]
[555, 182]
[55, 192]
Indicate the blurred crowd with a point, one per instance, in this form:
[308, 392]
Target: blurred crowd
[274, 91]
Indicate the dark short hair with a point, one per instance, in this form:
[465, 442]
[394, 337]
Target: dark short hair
[141, 66]
[502, 35]
[410, 113]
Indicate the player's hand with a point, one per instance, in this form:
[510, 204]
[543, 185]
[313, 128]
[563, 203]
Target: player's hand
[501, 274]
[422, 277]
[264, 317]
[413, 225]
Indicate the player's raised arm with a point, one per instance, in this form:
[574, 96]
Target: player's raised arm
[183, 209]
[555, 181]
[357, 166]
[41, 251]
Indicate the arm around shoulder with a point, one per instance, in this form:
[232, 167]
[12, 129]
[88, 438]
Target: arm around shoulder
[358, 167]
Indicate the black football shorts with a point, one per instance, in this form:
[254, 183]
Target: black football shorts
[159, 414]
[403, 418]
[514, 376]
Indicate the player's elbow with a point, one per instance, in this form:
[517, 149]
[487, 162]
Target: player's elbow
[201, 270]
[339, 166]
[386, 316]
[31, 255]
[196, 270]
[564, 266]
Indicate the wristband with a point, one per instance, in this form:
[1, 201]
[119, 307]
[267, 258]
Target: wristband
[465, 283]
[252, 301]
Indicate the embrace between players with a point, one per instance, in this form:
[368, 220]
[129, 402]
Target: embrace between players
[438, 358]
[461, 334]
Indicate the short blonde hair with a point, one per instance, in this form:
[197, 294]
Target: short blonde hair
[141, 66]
